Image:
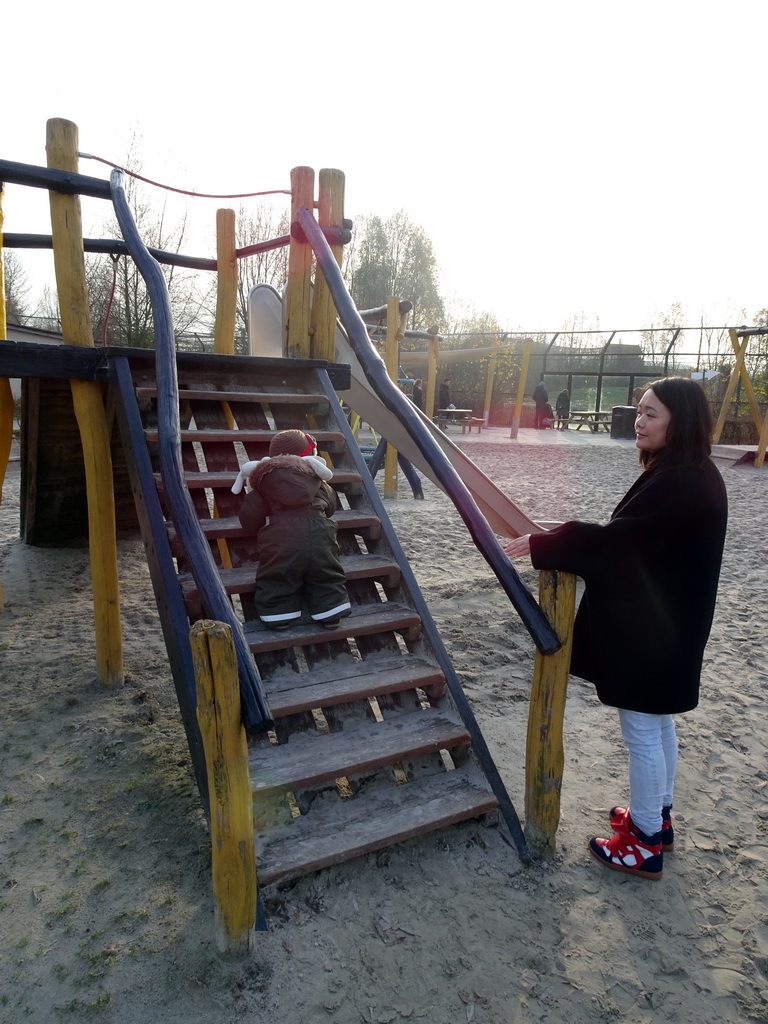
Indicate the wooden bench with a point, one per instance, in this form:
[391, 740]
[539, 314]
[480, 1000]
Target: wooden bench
[594, 421]
[460, 418]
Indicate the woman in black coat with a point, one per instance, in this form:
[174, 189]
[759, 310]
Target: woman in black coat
[651, 577]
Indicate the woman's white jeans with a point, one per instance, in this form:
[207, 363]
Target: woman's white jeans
[652, 746]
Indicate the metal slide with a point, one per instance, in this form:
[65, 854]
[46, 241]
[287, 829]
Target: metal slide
[504, 517]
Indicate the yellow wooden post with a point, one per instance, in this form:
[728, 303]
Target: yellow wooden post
[6, 395]
[527, 346]
[224, 326]
[739, 370]
[233, 854]
[762, 444]
[226, 283]
[433, 348]
[69, 264]
[489, 388]
[298, 292]
[392, 360]
[330, 213]
[544, 757]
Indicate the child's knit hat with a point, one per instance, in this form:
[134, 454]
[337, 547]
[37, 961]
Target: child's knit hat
[292, 442]
[287, 442]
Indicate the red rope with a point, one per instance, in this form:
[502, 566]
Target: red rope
[183, 191]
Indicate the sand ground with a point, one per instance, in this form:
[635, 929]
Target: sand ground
[105, 897]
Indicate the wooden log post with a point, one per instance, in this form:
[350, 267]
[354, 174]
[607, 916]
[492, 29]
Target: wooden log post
[433, 349]
[224, 326]
[226, 283]
[330, 213]
[69, 265]
[489, 389]
[544, 757]
[518, 411]
[391, 358]
[233, 855]
[299, 289]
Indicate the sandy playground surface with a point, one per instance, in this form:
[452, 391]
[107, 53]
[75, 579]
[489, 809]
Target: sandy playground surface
[105, 898]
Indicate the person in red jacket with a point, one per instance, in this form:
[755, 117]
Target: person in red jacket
[289, 508]
[651, 576]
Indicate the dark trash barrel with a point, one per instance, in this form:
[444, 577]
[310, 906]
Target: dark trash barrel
[623, 421]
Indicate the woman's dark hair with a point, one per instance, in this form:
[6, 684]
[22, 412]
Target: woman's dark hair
[689, 432]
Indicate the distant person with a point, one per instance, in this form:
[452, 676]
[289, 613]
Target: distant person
[417, 395]
[289, 508]
[444, 401]
[563, 409]
[651, 576]
[540, 399]
[548, 422]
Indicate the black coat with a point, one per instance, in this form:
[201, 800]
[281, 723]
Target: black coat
[651, 578]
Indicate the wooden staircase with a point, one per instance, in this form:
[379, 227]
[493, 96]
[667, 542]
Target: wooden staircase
[373, 740]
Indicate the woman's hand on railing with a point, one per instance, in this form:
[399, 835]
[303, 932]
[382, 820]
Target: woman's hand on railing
[519, 547]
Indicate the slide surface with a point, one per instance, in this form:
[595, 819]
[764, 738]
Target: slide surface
[504, 517]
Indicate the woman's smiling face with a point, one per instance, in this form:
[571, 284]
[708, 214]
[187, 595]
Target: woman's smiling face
[651, 424]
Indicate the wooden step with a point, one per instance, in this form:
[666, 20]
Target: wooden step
[356, 567]
[334, 831]
[319, 403]
[365, 620]
[364, 523]
[312, 758]
[343, 681]
[349, 482]
[330, 439]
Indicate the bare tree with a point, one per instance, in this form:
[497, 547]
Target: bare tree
[121, 311]
[260, 225]
[16, 287]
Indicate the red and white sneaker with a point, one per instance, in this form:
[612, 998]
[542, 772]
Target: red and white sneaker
[619, 816]
[631, 851]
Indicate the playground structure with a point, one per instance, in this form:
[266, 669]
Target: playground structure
[365, 728]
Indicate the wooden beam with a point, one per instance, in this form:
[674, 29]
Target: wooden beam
[298, 292]
[544, 758]
[527, 346]
[392, 361]
[29, 359]
[233, 857]
[330, 213]
[433, 348]
[69, 264]
[226, 283]
[489, 389]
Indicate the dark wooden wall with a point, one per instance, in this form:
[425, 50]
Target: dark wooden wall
[54, 507]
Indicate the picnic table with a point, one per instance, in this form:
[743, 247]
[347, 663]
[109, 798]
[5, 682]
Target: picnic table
[594, 421]
[461, 417]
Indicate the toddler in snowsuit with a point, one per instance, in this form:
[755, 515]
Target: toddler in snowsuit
[289, 508]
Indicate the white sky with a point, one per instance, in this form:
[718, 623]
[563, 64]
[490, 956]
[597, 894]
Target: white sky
[601, 158]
